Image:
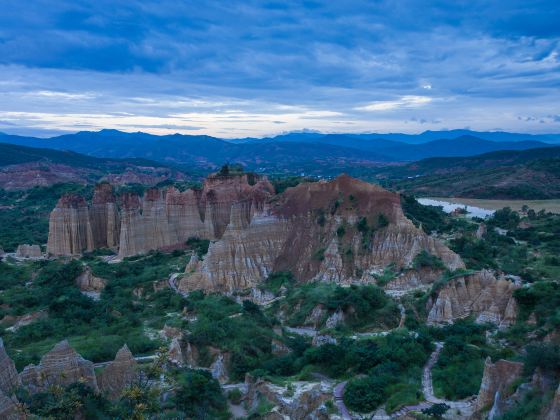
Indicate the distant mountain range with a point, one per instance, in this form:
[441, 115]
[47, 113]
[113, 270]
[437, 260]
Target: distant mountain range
[528, 174]
[424, 137]
[311, 153]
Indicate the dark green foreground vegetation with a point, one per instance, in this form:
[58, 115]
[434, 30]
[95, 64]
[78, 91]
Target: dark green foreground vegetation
[195, 395]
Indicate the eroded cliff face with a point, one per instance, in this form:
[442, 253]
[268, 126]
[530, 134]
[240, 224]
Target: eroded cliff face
[306, 402]
[340, 231]
[69, 227]
[480, 294]
[119, 374]
[75, 227]
[10, 408]
[496, 379]
[104, 217]
[164, 219]
[9, 379]
[87, 282]
[60, 366]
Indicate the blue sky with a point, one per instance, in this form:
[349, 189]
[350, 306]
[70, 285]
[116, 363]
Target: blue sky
[255, 68]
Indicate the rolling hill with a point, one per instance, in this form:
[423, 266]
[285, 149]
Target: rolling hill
[530, 174]
[25, 167]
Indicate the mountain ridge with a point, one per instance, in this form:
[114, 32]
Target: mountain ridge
[304, 152]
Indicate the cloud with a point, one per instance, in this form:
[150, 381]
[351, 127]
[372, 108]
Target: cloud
[356, 64]
[408, 101]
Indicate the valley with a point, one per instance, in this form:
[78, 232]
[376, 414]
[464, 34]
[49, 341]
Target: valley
[234, 299]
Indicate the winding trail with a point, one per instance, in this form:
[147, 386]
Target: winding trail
[464, 406]
[338, 394]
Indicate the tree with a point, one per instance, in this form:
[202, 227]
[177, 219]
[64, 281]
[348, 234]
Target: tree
[436, 410]
[224, 170]
[199, 395]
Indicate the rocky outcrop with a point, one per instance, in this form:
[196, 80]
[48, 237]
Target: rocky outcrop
[104, 217]
[74, 227]
[10, 408]
[219, 368]
[409, 280]
[28, 251]
[166, 219]
[119, 374]
[336, 231]
[87, 282]
[305, 401]
[480, 294]
[13, 323]
[9, 379]
[496, 379]
[60, 366]
[552, 412]
[69, 227]
[175, 352]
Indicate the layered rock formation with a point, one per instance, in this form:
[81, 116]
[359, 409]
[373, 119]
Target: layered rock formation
[69, 227]
[119, 374]
[60, 366]
[409, 280]
[9, 379]
[87, 282]
[496, 379]
[306, 401]
[337, 231]
[480, 294]
[340, 231]
[74, 227]
[163, 219]
[10, 409]
[104, 217]
[28, 251]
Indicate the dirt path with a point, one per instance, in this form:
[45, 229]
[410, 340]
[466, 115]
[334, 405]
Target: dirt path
[338, 394]
[427, 384]
[465, 406]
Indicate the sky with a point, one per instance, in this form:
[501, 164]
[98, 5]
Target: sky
[258, 68]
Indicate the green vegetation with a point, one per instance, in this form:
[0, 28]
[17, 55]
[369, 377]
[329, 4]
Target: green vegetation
[426, 260]
[64, 403]
[97, 329]
[198, 246]
[364, 306]
[458, 371]
[244, 331]
[393, 365]
[542, 299]
[429, 217]
[275, 281]
[199, 395]
[282, 183]
[24, 214]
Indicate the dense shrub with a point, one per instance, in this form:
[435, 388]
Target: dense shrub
[199, 395]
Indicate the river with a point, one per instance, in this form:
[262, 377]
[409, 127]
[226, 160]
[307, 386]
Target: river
[449, 206]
